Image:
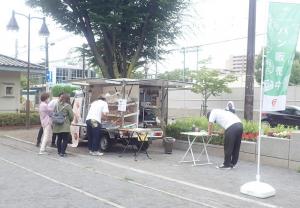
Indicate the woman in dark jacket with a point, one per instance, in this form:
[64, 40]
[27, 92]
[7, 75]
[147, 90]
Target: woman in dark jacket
[63, 130]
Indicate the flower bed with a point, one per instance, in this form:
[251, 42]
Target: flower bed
[250, 132]
[250, 136]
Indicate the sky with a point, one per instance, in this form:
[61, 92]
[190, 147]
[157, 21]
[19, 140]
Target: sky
[60, 42]
[204, 22]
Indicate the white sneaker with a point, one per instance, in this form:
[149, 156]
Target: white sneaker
[42, 153]
[90, 152]
[98, 153]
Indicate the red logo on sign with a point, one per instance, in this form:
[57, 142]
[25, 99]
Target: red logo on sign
[274, 101]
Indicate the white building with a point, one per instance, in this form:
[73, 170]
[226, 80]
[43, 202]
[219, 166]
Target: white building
[237, 63]
[11, 70]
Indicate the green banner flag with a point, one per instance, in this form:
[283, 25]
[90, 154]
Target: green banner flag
[282, 37]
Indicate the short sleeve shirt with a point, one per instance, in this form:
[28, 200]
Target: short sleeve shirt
[223, 118]
[97, 108]
[53, 103]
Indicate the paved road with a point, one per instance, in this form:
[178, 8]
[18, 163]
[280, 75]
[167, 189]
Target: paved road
[80, 180]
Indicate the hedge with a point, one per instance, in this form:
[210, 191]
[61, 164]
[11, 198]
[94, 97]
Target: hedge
[57, 89]
[18, 119]
[250, 128]
[185, 125]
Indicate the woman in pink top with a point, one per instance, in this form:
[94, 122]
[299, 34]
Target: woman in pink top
[46, 122]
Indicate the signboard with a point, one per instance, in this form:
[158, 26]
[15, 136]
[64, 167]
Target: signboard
[122, 105]
[49, 76]
[282, 37]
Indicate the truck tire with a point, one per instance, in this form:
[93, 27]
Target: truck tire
[144, 147]
[83, 133]
[105, 143]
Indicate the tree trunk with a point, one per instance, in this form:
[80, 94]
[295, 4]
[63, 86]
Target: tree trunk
[85, 25]
[134, 59]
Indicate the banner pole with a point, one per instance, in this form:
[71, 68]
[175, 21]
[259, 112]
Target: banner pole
[257, 188]
[260, 111]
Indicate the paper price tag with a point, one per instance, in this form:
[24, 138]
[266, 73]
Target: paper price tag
[122, 105]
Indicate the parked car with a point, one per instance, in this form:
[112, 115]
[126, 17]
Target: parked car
[288, 117]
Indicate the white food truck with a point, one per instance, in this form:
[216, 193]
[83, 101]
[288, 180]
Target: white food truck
[138, 110]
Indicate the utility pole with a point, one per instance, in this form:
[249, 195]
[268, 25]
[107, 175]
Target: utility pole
[184, 65]
[249, 88]
[83, 66]
[197, 59]
[16, 49]
[146, 69]
[156, 56]
[46, 63]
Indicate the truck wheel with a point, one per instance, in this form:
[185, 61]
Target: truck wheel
[144, 147]
[83, 133]
[105, 143]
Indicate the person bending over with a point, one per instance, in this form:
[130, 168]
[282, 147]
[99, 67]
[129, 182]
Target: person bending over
[232, 135]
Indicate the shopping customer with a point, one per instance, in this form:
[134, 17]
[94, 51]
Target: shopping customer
[46, 122]
[98, 109]
[63, 130]
[51, 105]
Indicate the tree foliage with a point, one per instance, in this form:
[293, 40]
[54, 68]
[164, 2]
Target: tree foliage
[62, 88]
[211, 83]
[295, 73]
[176, 74]
[32, 81]
[121, 34]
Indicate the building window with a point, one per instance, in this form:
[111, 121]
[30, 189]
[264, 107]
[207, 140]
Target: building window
[9, 91]
[61, 75]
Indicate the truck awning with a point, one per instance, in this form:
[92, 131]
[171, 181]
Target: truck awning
[146, 82]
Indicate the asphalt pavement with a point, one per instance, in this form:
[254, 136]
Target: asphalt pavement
[81, 180]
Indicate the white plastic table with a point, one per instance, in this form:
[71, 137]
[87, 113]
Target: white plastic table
[192, 138]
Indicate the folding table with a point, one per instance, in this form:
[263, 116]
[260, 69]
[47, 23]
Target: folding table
[192, 138]
[133, 137]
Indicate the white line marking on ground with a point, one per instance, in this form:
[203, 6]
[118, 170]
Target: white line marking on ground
[116, 177]
[188, 184]
[175, 180]
[63, 184]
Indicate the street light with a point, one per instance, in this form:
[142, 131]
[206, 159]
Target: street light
[13, 25]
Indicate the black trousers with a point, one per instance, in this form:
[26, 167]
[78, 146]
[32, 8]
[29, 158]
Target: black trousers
[39, 137]
[232, 144]
[62, 142]
[40, 134]
[93, 133]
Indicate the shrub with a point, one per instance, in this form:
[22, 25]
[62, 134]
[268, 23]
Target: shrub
[250, 133]
[185, 125]
[250, 126]
[57, 89]
[250, 130]
[18, 119]
[280, 131]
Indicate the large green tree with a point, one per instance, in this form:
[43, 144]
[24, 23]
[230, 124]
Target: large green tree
[295, 73]
[121, 34]
[176, 74]
[211, 83]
